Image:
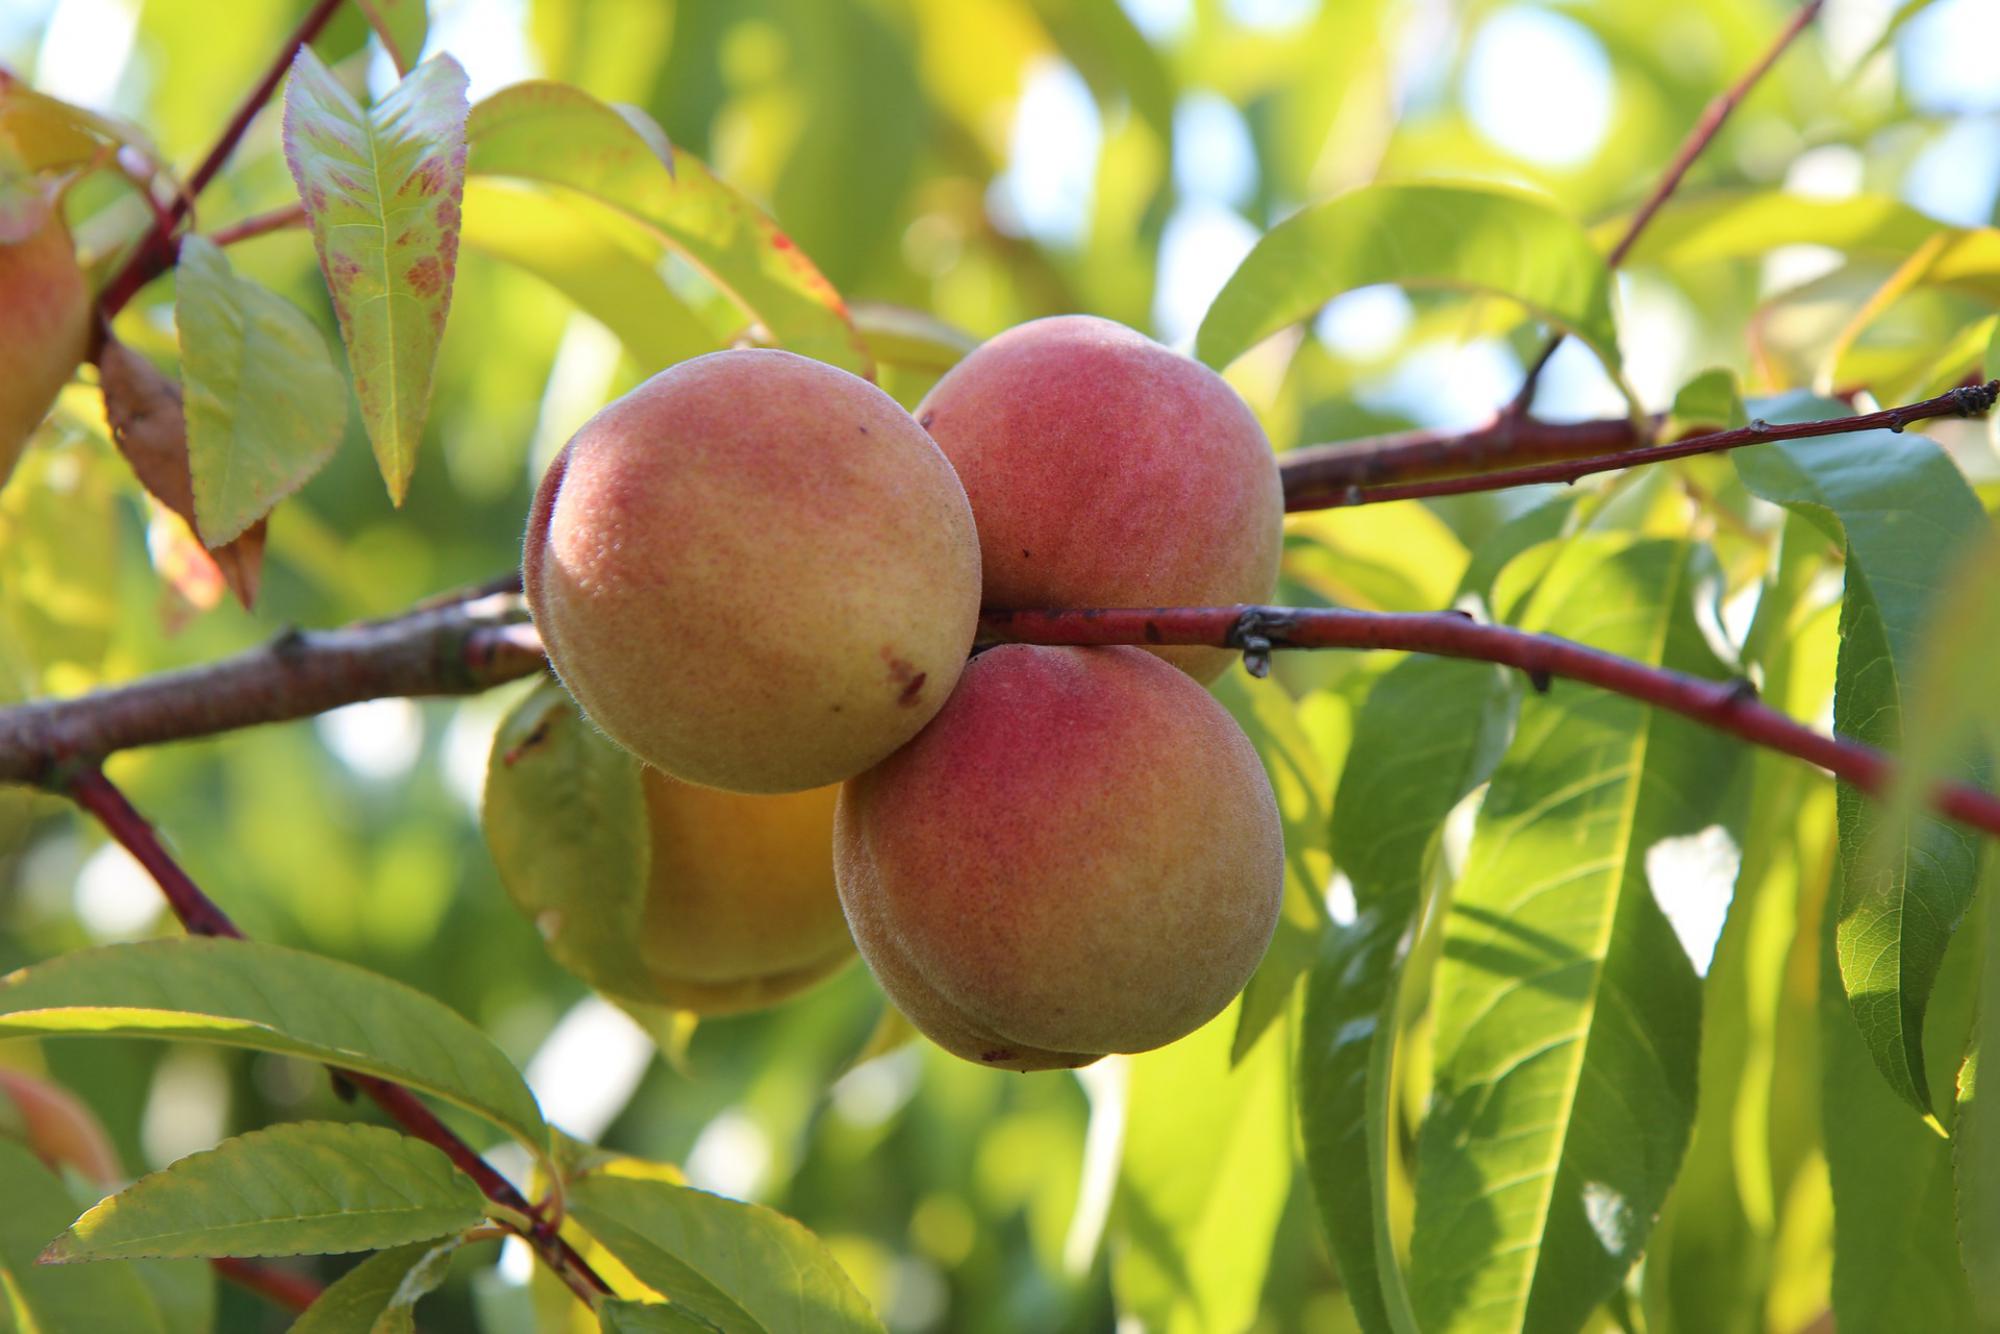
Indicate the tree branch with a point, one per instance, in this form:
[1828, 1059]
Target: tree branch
[1726, 706]
[1307, 482]
[157, 252]
[89, 788]
[1696, 143]
[294, 1292]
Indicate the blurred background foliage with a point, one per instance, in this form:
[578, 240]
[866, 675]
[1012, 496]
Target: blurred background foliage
[986, 161]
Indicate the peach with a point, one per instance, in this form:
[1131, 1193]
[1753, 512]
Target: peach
[1105, 470]
[755, 572]
[656, 891]
[56, 1125]
[1080, 855]
[44, 327]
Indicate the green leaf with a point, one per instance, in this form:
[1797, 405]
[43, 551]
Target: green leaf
[606, 265]
[1269, 717]
[1567, 1015]
[379, 1295]
[35, 1299]
[565, 820]
[741, 1267]
[1467, 238]
[1203, 1183]
[1747, 224]
[620, 1317]
[237, 993]
[1710, 401]
[1903, 512]
[306, 1188]
[402, 25]
[563, 136]
[382, 190]
[265, 404]
[184, 1292]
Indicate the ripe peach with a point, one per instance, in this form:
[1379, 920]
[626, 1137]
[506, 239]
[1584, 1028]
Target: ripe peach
[740, 905]
[1105, 470]
[56, 1125]
[653, 890]
[44, 324]
[755, 572]
[1080, 855]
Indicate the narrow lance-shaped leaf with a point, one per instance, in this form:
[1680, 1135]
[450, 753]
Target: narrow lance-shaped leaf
[237, 993]
[264, 402]
[1903, 513]
[305, 1188]
[562, 135]
[402, 25]
[1567, 1015]
[1469, 238]
[35, 1299]
[741, 1267]
[379, 1295]
[382, 190]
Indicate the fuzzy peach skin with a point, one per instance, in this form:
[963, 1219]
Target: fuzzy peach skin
[1105, 470]
[1080, 855]
[44, 323]
[755, 572]
[57, 1127]
[740, 906]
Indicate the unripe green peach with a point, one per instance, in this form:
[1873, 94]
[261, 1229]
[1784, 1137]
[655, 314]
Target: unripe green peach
[657, 892]
[55, 1124]
[740, 905]
[755, 572]
[1105, 470]
[1080, 855]
[44, 325]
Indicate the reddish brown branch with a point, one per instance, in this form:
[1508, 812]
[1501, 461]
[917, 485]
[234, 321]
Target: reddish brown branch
[295, 1292]
[260, 224]
[90, 789]
[1727, 706]
[1697, 142]
[156, 253]
[1306, 487]
[1322, 476]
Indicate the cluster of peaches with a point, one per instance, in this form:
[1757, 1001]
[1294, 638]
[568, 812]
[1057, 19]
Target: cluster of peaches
[763, 578]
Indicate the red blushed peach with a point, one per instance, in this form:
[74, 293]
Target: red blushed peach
[56, 1125]
[755, 572]
[1080, 855]
[44, 323]
[1105, 470]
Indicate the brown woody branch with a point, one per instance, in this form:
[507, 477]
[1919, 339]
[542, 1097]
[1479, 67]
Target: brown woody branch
[89, 788]
[1421, 465]
[295, 1292]
[1697, 142]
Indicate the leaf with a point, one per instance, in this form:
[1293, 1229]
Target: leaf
[1567, 1017]
[579, 249]
[1467, 238]
[623, 1317]
[1746, 224]
[1902, 512]
[741, 1267]
[402, 25]
[565, 819]
[265, 406]
[143, 408]
[1269, 717]
[1206, 1171]
[378, 1295]
[561, 135]
[1710, 401]
[35, 1299]
[382, 191]
[1430, 731]
[237, 993]
[183, 1291]
[305, 1188]
[901, 336]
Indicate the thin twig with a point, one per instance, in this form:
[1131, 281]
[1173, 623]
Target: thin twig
[294, 1292]
[260, 224]
[1726, 706]
[90, 789]
[1966, 401]
[1696, 143]
[156, 253]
